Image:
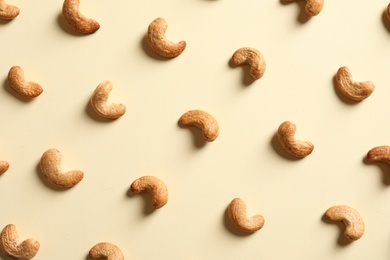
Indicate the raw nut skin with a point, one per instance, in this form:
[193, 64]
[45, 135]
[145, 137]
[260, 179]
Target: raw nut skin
[379, 154]
[105, 250]
[77, 21]
[312, 7]
[4, 166]
[27, 89]
[8, 12]
[101, 105]
[153, 185]
[252, 57]
[237, 215]
[202, 120]
[286, 137]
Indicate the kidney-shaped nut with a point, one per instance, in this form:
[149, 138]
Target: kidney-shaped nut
[238, 216]
[202, 120]
[159, 43]
[4, 166]
[76, 20]
[11, 245]
[102, 106]
[8, 12]
[105, 250]
[354, 90]
[50, 165]
[253, 58]
[22, 87]
[154, 186]
[354, 224]
[312, 7]
[379, 154]
[293, 146]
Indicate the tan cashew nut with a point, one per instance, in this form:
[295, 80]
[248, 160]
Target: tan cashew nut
[379, 154]
[286, 137]
[312, 7]
[253, 58]
[8, 12]
[154, 186]
[237, 215]
[202, 120]
[352, 89]
[4, 166]
[50, 165]
[105, 250]
[24, 88]
[102, 106]
[11, 245]
[76, 20]
[354, 225]
[158, 42]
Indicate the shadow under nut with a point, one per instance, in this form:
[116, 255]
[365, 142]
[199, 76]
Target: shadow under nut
[8, 12]
[22, 87]
[76, 20]
[253, 58]
[154, 186]
[102, 106]
[354, 90]
[293, 146]
[105, 250]
[237, 215]
[202, 120]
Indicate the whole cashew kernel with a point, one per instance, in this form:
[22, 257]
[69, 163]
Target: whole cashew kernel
[154, 186]
[4, 166]
[354, 225]
[286, 137]
[105, 250]
[158, 42]
[312, 7]
[8, 12]
[237, 215]
[253, 58]
[11, 245]
[202, 120]
[50, 165]
[76, 20]
[379, 154]
[102, 106]
[22, 87]
[356, 91]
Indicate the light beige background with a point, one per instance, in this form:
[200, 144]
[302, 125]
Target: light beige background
[302, 58]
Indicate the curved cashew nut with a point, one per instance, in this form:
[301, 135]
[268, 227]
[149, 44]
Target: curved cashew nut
[312, 7]
[158, 42]
[76, 20]
[8, 12]
[24, 250]
[253, 58]
[354, 225]
[202, 120]
[107, 251]
[4, 166]
[102, 106]
[24, 88]
[352, 89]
[154, 186]
[50, 165]
[237, 215]
[286, 137]
[379, 154]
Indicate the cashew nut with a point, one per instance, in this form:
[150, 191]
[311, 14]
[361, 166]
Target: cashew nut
[107, 251]
[10, 243]
[158, 42]
[8, 12]
[388, 12]
[286, 137]
[379, 154]
[354, 225]
[202, 120]
[352, 89]
[312, 7]
[76, 20]
[4, 166]
[50, 165]
[253, 58]
[237, 215]
[154, 186]
[24, 88]
[102, 106]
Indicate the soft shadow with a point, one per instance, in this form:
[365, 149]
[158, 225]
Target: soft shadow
[198, 139]
[279, 149]
[232, 228]
[46, 182]
[341, 96]
[385, 21]
[92, 114]
[247, 79]
[5, 22]
[149, 52]
[303, 17]
[148, 208]
[13, 93]
[65, 27]
[342, 240]
[89, 258]
[385, 169]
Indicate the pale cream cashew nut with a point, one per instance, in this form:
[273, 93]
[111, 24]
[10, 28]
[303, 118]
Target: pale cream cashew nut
[293, 146]
[153, 185]
[50, 165]
[22, 87]
[8, 12]
[76, 20]
[4, 166]
[11, 245]
[252, 57]
[312, 7]
[354, 90]
[238, 216]
[105, 250]
[102, 106]
[202, 120]
[379, 154]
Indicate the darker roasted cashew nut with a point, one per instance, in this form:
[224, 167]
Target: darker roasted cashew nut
[237, 215]
[76, 20]
[4, 166]
[312, 7]
[356, 91]
[154, 186]
[50, 165]
[11, 245]
[379, 154]
[253, 58]
[105, 250]
[102, 106]
[22, 87]
[158, 42]
[8, 12]
[286, 137]
[202, 120]
[354, 225]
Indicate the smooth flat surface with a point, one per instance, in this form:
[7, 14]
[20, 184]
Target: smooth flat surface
[245, 161]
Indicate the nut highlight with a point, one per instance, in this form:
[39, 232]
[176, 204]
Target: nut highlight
[105, 250]
[102, 106]
[8, 12]
[253, 58]
[202, 120]
[286, 137]
[22, 87]
[154, 186]
[76, 20]
[237, 215]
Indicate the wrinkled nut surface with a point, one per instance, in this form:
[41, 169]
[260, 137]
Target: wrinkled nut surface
[356, 91]
[237, 215]
[22, 87]
[312, 7]
[159, 43]
[253, 58]
[354, 225]
[8, 12]
[154, 186]
[202, 120]
[11, 245]
[286, 137]
[50, 165]
[4, 166]
[102, 106]
[379, 154]
[105, 250]
[76, 20]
